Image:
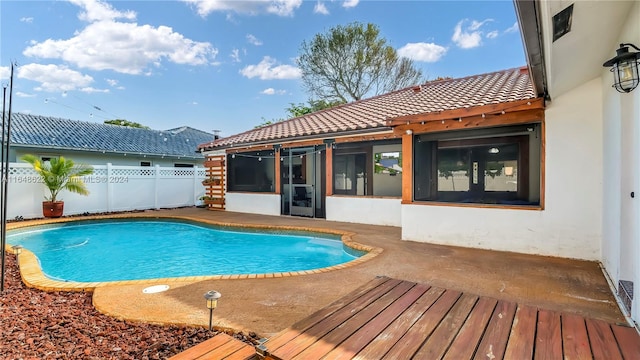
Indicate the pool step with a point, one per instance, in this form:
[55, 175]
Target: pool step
[219, 347]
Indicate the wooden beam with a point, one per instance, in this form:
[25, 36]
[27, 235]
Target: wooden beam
[277, 176]
[491, 109]
[329, 170]
[520, 117]
[407, 167]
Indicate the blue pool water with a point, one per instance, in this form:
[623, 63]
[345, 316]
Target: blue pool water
[130, 250]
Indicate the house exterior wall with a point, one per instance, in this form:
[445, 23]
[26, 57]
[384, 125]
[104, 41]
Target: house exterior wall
[621, 136]
[253, 203]
[364, 210]
[568, 226]
[96, 158]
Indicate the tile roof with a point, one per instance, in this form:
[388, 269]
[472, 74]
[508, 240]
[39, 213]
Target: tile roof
[57, 133]
[370, 114]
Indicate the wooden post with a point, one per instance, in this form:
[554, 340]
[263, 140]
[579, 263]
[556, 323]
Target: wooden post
[407, 167]
[329, 170]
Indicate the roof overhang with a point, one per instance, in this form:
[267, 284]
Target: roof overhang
[576, 57]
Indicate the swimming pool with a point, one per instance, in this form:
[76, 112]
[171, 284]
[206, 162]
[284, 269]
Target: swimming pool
[108, 250]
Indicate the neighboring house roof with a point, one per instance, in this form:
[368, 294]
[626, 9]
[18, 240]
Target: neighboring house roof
[371, 114]
[56, 133]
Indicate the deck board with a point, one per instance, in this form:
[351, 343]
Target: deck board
[379, 346]
[438, 343]
[628, 341]
[523, 333]
[494, 340]
[603, 343]
[219, 347]
[365, 334]
[304, 333]
[414, 338]
[465, 344]
[548, 339]
[575, 341]
[394, 319]
[337, 335]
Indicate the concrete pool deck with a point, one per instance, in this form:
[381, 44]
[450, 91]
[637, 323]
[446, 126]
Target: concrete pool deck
[270, 304]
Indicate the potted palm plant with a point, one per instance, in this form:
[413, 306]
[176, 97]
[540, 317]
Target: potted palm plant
[59, 174]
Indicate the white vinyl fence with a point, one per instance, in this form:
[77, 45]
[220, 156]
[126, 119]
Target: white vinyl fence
[112, 188]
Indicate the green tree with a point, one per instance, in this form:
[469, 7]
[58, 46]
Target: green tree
[300, 109]
[127, 123]
[350, 62]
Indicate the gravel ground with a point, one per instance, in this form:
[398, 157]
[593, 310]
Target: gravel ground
[64, 325]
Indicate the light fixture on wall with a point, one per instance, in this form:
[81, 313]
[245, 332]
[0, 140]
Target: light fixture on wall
[625, 68]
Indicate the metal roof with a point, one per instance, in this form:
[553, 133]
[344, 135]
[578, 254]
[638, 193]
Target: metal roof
[56, 133]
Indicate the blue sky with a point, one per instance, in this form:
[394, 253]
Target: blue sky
[223, 65]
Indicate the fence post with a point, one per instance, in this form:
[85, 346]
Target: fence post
[156, 186]
[195, 185]
[109, 188]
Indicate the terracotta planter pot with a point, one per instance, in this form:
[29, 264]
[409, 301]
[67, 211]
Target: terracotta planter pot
[52, 209]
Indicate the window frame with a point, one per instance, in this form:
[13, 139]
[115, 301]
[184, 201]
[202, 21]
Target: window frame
[481, 138]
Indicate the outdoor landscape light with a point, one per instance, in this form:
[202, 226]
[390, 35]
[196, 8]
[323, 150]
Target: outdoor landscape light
[625, 68]
[17, 250]
[212, 297]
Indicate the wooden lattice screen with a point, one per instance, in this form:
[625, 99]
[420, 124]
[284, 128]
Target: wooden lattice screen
[214, 183]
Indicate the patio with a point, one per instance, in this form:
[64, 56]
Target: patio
[269, 305]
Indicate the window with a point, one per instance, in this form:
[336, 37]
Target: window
[145, 163]
[253, 172]
[181, 165]
[488, 166]
[368, 168]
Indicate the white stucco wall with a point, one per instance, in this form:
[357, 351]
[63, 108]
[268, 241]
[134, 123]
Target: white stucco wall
[253, 203]
[621, 136]
[570, 224]
[364, 210]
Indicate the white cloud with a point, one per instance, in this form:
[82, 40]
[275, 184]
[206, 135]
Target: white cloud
[114, 83]
[427, 52]
[124, 47]
[235, 55]
[253, 40]
[513, 28]
[5, 72]
[278, 7]
[272, 91]
[24, 95]
[27, 20]
[492, 34]
[96, 10]
[268, 70]
[320, 8]
[350, 3]
[91, 90]
[468, 36]
[54, 78]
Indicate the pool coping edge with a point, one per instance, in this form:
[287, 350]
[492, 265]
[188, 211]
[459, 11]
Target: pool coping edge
[32, 274]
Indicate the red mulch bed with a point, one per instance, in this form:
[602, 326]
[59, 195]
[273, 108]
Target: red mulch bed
[35, 324]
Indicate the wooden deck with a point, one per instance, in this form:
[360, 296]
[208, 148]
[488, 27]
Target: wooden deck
[394, 319]
[219, 347]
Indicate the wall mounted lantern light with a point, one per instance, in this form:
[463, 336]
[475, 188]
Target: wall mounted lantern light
[625, 68]
[212, 303]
